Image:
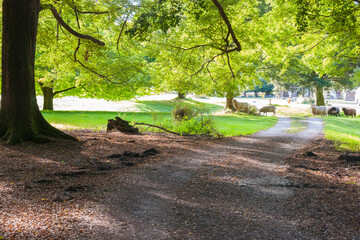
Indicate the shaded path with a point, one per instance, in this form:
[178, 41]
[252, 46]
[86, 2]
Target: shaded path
[233, 188]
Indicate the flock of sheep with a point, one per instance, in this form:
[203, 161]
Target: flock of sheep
[316, 110]
[332, 111]
[244, 106]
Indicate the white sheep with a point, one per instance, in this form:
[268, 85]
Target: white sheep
[318, 110]
[266, 109]
[241, 106]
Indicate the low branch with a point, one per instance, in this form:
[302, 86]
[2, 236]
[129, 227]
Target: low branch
[68, 28]
[65, 90]
[164, 129]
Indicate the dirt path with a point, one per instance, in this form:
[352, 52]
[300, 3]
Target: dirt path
[235, 188]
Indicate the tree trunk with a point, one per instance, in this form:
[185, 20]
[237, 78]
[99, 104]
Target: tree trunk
[319, 91]
[181, 95]
[229, 102]
[48, 93]
[20, 117]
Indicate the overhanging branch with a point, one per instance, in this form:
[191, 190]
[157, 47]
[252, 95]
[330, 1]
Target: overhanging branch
[228, 24]
[68, 28]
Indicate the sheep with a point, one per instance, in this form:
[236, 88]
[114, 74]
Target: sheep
[318, 110]
[266, 109]
[334, 111]
[241, 106]
[349, 112]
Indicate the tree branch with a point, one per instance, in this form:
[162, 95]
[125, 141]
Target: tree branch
[228, 24]
[68, 28]
[121, 31]
[65, 90]
[146, 124]
[314, 45]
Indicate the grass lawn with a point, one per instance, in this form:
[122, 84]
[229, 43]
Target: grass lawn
[345, 131]
[157, 112]
[235, 124]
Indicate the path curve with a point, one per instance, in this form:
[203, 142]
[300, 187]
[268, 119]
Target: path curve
[232, 188]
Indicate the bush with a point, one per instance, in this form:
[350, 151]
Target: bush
[183, 112]
[202, 124]
[308, 101]
[252, 109]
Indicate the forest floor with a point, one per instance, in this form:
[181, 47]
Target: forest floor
[276, 184]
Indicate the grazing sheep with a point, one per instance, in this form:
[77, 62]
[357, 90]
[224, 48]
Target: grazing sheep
[349, 112]
[318, 110]
[241, 106]
[266, 109]
[334, 111]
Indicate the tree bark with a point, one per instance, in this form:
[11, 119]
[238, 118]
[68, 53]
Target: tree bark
[20, 117]
[229, 102]
[48, 93]
[319, 91]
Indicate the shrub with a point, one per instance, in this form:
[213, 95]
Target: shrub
[183, 112]
[252, 109]
[308, 101]
[202, 124]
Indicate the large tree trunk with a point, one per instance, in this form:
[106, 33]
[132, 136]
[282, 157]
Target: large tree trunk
[20, 117]
[319, 91]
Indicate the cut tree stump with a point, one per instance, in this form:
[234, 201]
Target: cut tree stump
[122, 126]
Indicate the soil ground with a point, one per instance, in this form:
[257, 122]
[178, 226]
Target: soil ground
[275, 184]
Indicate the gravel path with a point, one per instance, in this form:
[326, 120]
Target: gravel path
[230, 189]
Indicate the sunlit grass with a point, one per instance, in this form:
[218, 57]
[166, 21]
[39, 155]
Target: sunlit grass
[229, 125]
[166, 106]
[236, 125]
[344, 131]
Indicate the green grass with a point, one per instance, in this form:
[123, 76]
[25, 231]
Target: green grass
[230, 125]
[98, 120]
[344, 131]
[297, 125]
[168, 106]
[235, 124]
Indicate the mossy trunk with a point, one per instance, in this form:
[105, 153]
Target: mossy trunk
[48, 93]
[319, 91]
[20, 117]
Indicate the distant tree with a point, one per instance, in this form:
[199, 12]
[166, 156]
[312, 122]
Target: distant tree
[265, 87]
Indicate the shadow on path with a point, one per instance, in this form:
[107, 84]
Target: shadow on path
[232, 188]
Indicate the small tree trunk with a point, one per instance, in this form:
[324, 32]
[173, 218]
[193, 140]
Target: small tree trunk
[319, 91]
[181, 95]
[48, 93]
